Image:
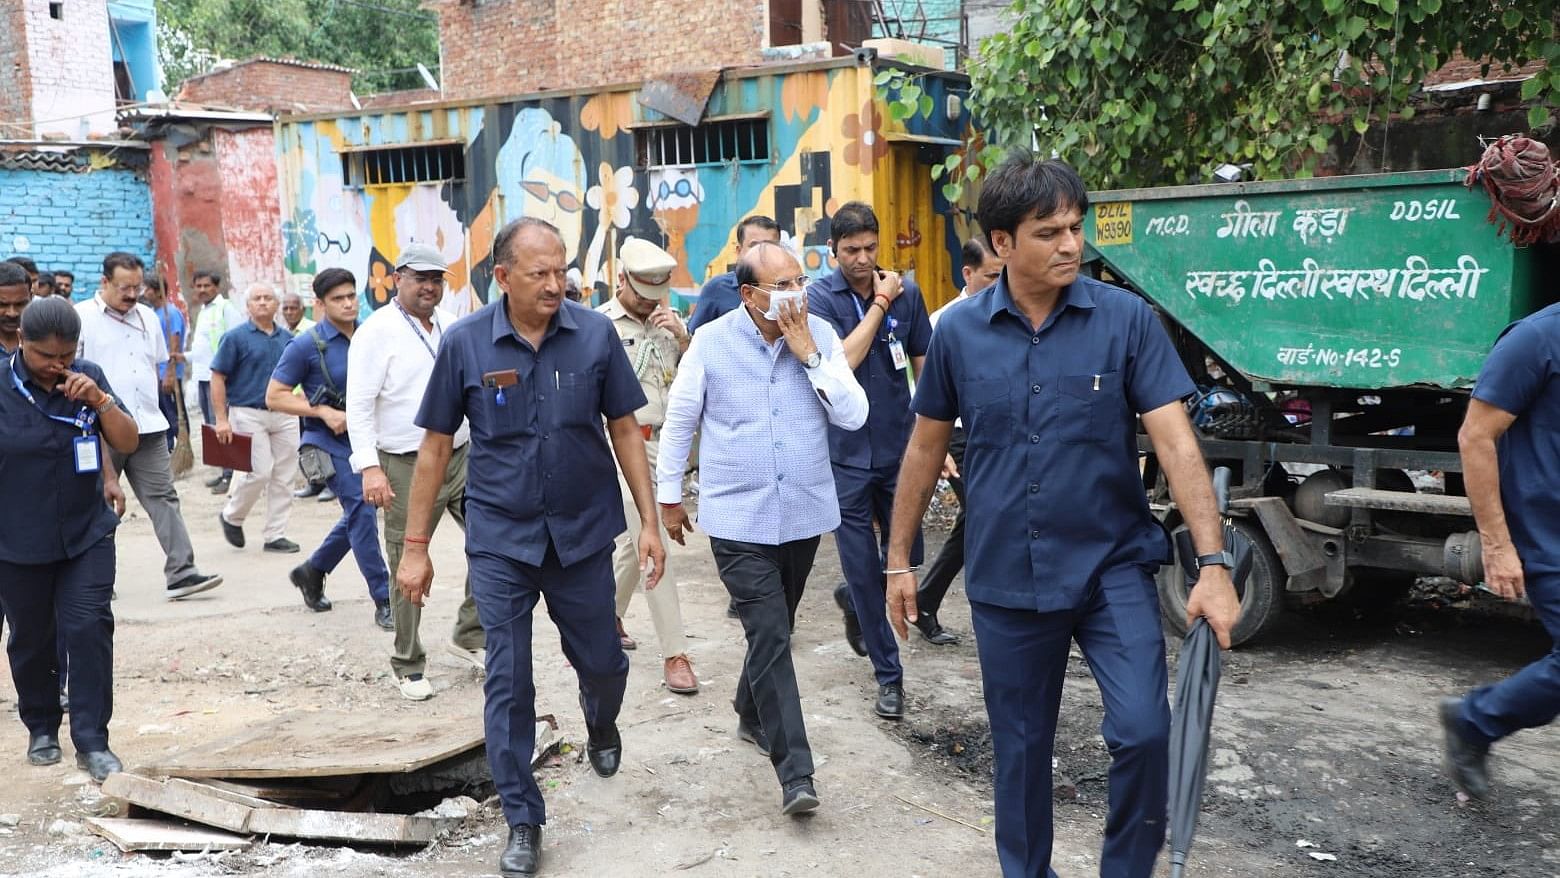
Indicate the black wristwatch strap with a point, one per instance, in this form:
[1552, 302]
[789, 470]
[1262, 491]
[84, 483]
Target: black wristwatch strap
[1217, 559]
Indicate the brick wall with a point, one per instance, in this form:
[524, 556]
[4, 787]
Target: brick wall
[71, 68]
[15, 74]
[72, 220]
[271, 86]
[493, 48]
[1463, 69]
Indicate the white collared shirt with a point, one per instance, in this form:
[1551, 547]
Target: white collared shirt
[963, 294]
[130, 348]
[388, 366]
[764, 471]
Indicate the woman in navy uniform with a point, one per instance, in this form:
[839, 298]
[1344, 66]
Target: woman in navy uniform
[57, 541]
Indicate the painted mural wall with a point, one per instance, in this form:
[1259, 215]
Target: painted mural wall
[571, 159]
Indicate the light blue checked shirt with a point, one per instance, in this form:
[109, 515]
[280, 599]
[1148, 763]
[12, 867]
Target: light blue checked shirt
[764, 472]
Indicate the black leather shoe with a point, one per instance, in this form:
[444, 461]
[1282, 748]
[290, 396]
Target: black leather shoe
[798, 796]
[216, 480]
[231, 532]
[753, 733]
[382, 616]
[852, 624]
[327, 496]
[523, 853]
[603, 746]
[933, 630]
[312, 583]
[222, 486]
[43, 749]
[1466, 761]
[891, 701]
[99, 764]
[313, 489]
[282, 546]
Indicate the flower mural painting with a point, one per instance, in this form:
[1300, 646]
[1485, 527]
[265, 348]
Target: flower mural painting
[381, 281]
[614, 199]
[426, 218]
[864, 130]
[803, 93]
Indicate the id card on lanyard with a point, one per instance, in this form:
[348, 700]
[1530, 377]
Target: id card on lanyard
[896, 348]
[84, 448]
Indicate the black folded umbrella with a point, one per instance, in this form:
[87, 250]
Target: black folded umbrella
[1196, 687]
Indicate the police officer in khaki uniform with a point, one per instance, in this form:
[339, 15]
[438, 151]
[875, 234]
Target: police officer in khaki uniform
[654, 338]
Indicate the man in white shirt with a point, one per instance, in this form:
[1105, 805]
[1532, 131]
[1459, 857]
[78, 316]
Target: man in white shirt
[125, 338]
[654, 338]
[388, 367]
[214, 316]
[982, 268]
[763, 382]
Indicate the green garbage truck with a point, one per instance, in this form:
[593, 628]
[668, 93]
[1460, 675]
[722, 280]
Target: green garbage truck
[1336, 326]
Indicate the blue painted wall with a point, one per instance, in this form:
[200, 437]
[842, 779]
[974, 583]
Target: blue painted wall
[72, 220]
[134, 40]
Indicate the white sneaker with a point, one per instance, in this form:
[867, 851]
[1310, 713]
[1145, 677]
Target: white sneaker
[477, 658]
[415, 687]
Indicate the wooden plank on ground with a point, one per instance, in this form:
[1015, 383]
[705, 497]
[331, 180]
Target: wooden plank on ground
[296, 794]
[351, 826]
[226, 795]
[164, 835]
[328, 743]
[193, 805]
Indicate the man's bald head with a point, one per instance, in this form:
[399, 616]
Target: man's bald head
[766, 263]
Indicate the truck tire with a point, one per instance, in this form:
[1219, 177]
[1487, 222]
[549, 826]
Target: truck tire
[1261, 597]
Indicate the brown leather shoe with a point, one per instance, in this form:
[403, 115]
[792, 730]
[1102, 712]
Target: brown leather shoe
[679, 675]
[623, 638]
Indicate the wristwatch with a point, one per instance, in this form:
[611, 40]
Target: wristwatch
[812, 362]
[108, 400]
[1217, 559]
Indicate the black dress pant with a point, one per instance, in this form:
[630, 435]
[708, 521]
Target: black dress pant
[950, 559]
[63, 602]
[766, 582]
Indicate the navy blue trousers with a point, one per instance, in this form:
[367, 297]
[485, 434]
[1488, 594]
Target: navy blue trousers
[1023, 660]
[357, 529]
[1530, 698]
[867, 495]
[63, 602]
[581, 599]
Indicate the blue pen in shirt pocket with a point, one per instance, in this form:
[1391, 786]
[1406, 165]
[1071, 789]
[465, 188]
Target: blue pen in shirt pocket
[498, 381]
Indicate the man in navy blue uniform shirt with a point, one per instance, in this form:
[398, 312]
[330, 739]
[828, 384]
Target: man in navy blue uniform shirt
[884, 324]
[536, 375]
[722, 293]
[1510, 443]
[316, 362]
[1049, 372]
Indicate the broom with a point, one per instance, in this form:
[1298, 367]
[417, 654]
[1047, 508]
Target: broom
[183, 453]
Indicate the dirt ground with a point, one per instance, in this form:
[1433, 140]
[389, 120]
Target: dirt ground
[1325, 734]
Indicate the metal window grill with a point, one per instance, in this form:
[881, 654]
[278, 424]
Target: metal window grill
[388, 166]
[733, 140]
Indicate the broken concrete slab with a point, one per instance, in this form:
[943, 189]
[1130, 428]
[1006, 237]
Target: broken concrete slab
[327, 744]
[142, 834]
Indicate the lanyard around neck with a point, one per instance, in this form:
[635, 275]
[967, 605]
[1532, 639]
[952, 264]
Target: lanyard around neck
[421, 336]
[83, 420]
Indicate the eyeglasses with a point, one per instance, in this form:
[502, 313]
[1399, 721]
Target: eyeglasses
[541, 192]
[799, 282]
[427, 279]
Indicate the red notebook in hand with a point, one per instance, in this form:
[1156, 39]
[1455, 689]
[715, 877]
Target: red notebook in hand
[234, 455]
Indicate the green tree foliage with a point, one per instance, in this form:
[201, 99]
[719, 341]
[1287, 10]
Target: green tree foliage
[382, 39]
[1156, 92]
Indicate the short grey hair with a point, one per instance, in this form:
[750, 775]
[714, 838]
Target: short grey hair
[504, 241]
[256, 285]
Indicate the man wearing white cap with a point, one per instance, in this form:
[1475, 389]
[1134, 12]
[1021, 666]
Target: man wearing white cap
[388, 367]
[654, 338]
